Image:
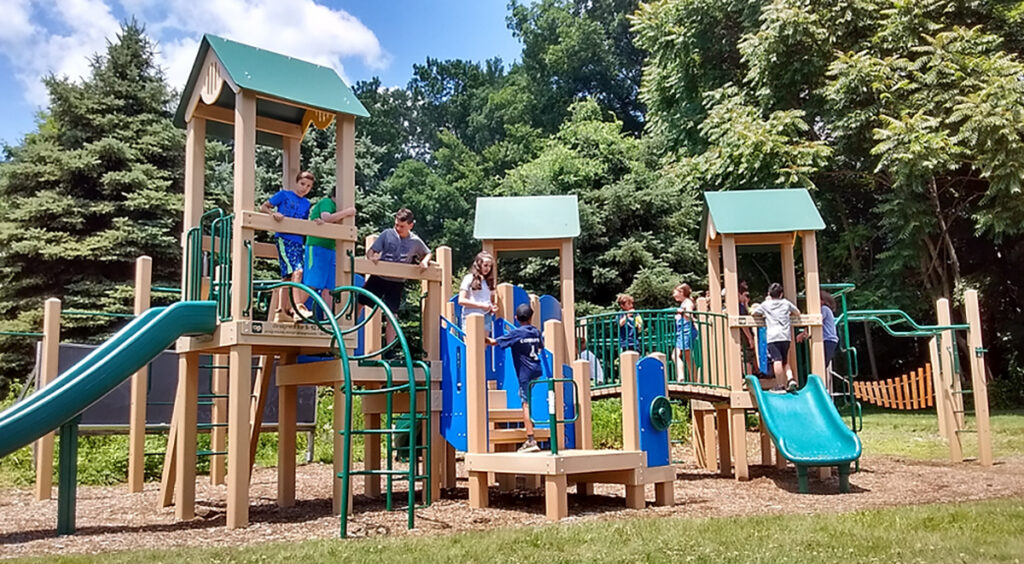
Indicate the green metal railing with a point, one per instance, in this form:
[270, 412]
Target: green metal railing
[330, 325]
[553, 421]
[708, 356]
[194, 263]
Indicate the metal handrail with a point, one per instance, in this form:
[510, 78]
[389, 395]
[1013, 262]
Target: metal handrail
[553, 420]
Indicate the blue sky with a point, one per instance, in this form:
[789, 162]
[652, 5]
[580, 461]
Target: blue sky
[360, 38]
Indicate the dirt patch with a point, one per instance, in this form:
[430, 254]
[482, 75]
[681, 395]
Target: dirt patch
[111, 520]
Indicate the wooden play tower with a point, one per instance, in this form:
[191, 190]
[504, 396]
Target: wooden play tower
[249, 96]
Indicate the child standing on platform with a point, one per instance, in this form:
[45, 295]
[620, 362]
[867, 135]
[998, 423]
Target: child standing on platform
[320, 252]
[476, 293]
[685, 333]
[630, 324]
[291, 202]
[398, 244]
[526, 343]
[776, 311]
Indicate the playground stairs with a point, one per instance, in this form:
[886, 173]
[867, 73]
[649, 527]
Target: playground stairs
[505, 424]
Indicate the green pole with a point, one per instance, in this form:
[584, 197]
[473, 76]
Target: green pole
[68, 470]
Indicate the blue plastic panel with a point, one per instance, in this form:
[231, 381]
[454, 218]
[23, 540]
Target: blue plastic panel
[519, 297]
[453, 388]
[550, 308]
[650, 373]
[762, 350]
[569, 412]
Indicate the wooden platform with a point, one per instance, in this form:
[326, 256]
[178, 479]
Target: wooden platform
[265, 337]
[577, 466]
[679, 391]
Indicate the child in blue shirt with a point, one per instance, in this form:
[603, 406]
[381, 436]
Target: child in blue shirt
[291, 202]
[526, 344]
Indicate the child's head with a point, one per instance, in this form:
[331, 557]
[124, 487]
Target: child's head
[828, 300]
[524, 313]
[681, 292]
[744, 292]
[483, 269]
[303, 183]
[775, 290]
[625, 301]
[404, 220]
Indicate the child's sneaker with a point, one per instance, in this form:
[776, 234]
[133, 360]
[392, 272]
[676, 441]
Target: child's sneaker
[302, 313]
[529, 446]
[281, 317]
[791, 386]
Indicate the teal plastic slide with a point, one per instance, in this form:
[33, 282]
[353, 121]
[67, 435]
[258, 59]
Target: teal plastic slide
[807, 430]
[85, 383]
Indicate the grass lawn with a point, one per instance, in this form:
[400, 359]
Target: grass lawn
[972, 532]
[915, 434]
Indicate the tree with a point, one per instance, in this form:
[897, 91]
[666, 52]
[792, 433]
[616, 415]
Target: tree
[97, 185]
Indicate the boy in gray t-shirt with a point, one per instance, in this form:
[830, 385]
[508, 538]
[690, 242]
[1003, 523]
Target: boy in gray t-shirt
[398, 244]
[776, 311]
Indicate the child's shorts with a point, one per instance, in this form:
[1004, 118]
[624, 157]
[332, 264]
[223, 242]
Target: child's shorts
[524, 390]
[289, 256]
[686, 335]
[389, 292]
[778, 351]
[319, 272]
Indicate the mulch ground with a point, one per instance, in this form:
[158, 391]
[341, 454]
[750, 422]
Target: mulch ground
[111, 520]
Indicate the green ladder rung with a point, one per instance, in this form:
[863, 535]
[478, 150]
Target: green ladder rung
[378, 431]
[211, 425]
[156, 453]
[159, 403]
[400, 474]
[966, 430]
[954, 392]
[211, 452]
[206, 403]
[213, 396]
[215, 366]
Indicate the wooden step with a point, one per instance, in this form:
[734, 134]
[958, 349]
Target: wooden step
[492, 384]
[506, 436]
[504, 415]
[497, 399]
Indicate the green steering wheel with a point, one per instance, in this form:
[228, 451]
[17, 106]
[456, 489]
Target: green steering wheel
[661, 413]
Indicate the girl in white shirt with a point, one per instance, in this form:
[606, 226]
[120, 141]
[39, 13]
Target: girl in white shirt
[476, 293]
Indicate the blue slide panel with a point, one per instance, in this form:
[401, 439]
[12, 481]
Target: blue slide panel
[650, 373]
[569, 411]
[550, 309]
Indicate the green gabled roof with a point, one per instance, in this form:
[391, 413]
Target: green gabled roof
[763, 211]
[271, 74]
[527, 217]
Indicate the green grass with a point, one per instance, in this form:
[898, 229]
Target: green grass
[970, 532]
[915, 434]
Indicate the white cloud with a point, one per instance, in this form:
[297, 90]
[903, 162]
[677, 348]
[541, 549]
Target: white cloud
[41, 37]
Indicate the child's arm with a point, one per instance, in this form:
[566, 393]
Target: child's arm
[336, 216]
[375, 250]
[268, 208]
[426, 261]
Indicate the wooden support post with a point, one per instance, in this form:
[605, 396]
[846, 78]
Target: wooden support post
[976, 354]
[443, 256]
[219, 416]
[345, 196]
[240, 384]
[937, 386]
[948, 377]
[584, 430]
[371, 455]
[566, 264]
[554, 342]
[734, 364]
[431, 325]
[812, 290]
[258, 405]
[664, 494]
[374, 327]
[697, 437]
[438, 449]
[48, 369]
[450, 468]
[506, 303]
[287, 418]
[738, 426]
[339, 417]
[476, 405]
[630, 401]
[724, 451]
[556, 497]
[635, 496]
[766, 443]
[137, 415]
[790, 291]
[186, 404]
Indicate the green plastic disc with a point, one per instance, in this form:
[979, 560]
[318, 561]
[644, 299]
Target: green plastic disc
[661, 413]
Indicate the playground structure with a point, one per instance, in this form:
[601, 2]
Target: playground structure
[461, 395]
[911, 391]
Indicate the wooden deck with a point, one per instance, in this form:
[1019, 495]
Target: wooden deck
[675, 390]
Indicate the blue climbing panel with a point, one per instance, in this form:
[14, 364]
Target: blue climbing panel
[650, 374]
[550, 309]
[453, 386]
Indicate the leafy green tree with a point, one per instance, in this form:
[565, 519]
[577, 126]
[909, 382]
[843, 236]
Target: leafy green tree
[97, 185]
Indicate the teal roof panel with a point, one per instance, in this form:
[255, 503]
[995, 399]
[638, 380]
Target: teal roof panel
[527, 217]
[276, 75]
[763, 211]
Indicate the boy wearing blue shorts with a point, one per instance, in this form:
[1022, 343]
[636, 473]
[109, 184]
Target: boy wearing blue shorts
[526, 344]
[290, 202]
[320, 252]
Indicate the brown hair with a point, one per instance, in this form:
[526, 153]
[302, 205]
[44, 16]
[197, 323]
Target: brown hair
[475, 270]
[828, 300]
[623, 298]
[685, 289]
[405, 215]
[305, 174]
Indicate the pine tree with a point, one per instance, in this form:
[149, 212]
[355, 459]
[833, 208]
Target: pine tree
[97, 185]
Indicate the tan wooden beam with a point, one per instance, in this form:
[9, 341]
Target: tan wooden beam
[48, 371]
[264, 222]
[397, 270]
[265, 124]
[137, 415]
[978, 382]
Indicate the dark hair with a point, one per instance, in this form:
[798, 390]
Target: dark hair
[405, 215]
[524, 313]
[743, 286]
[305, 174]
[474, 269]
[623, 298]
[775, 290]
[829, 301]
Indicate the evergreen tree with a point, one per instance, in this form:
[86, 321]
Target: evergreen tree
[97, 185]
